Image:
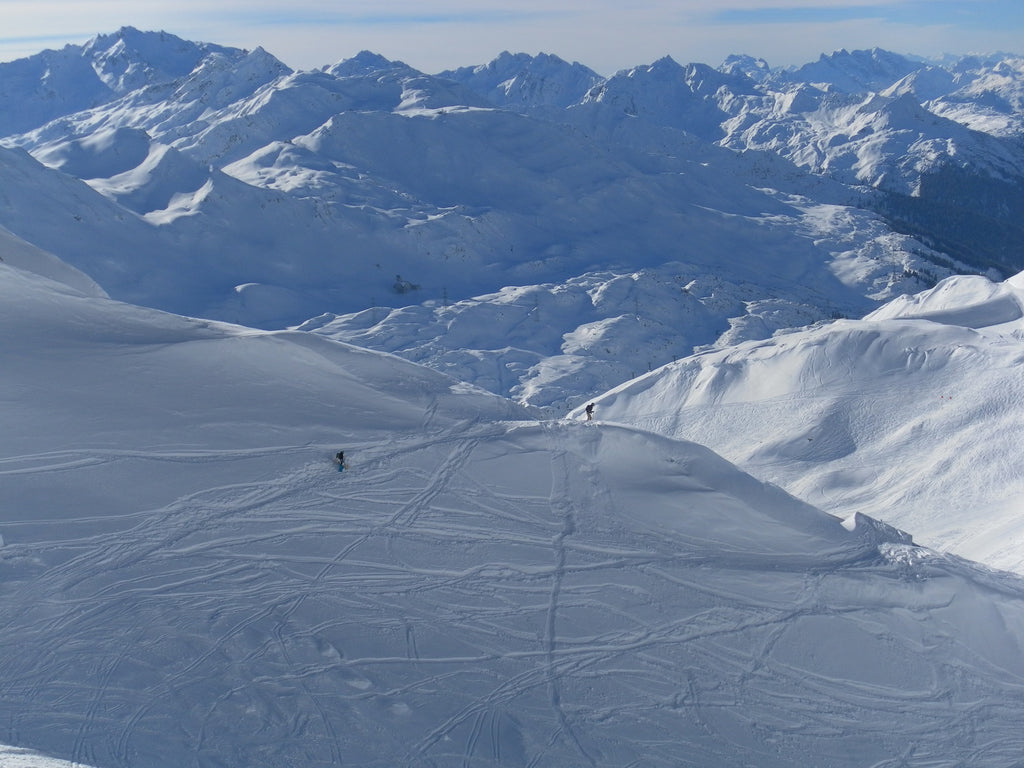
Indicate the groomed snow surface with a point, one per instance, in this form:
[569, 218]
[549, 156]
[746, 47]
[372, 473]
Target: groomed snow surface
[188, 580]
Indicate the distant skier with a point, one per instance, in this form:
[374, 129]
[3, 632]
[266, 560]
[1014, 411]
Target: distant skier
[590, 412]
[339, 459]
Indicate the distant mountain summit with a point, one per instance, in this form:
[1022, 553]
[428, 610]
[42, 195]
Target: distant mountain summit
[364, 63]
[51, 84]
[670, 95]
[521, 81]
[740, 64]
[130, 59]
[856, 71]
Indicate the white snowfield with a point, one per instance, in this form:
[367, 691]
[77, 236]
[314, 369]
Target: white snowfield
[14, 757]
[913, 415]
[187, 580]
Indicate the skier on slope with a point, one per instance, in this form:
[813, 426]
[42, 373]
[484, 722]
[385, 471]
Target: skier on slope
[339, 459]
[590, 411]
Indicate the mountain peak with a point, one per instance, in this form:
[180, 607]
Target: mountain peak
[129, 59]
[523, 82]
[364, 63]
[507, 60]
[756, 69]
[665, 65]
[858, 71]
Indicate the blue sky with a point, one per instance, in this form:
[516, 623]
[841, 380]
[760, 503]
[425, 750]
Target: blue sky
[433, 35]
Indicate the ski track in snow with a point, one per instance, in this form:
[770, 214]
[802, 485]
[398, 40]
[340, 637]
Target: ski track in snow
[231, 603]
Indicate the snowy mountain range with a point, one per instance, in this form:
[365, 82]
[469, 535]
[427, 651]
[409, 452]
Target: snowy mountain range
[669, 207]
[216, 272]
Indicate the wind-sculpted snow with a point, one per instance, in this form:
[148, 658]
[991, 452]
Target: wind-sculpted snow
[968, 301]
[188, 580]
[101, 155]
[911, 415]
[24, 256]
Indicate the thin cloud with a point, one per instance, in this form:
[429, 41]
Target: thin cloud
[606, 35]
[789, 15]
[312, 17]
[995, 14]
[57, 37]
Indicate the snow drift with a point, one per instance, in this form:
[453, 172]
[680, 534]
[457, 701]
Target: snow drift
[911, 415]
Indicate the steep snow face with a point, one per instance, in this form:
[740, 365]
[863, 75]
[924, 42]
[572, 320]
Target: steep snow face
[668, 94]
[129, 59]
[188, 579]
[856, 71]
[910, 415]
[523, 82]
[923, 84]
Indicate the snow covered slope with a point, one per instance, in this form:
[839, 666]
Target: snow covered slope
[188, 580]
[912, 415]
[15, 252]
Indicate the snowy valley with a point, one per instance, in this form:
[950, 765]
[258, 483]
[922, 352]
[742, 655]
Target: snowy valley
[791, 536]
